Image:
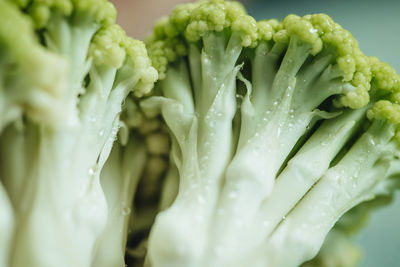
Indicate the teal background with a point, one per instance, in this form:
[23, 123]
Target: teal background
[376, 25]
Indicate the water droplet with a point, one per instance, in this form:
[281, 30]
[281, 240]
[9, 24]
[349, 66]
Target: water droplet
[91, 171]
[126, 211]
[239, 96]
[101, 133]
[372, 141]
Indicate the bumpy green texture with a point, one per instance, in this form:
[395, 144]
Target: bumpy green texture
[43, 72]
[107, 46]
[385, 109]
[387, 85]
[67, 72]
[100, 11]
[277, 129]
[192, 21]
[188, 23]
[321, 31]
[110, 46]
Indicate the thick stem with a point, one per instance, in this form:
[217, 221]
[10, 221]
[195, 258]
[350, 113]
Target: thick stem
[205, 143]
[66, 207]
[306, 167]
[342, 187]
[218, 60]
[264, 68]
[63, 192]
[203, 164]
[271, 83]
[170, 187]
[71, 38]
[252, 172]
[295, 56]
[119, 179]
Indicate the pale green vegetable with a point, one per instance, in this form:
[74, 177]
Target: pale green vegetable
[51, 159]
[263, 144]
[270, 131]
[32, 79]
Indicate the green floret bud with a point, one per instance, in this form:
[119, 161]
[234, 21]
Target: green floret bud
[158, 58]
[179, 18]
[106, 46]
[323, 23]
[295, 25]
[215, 15]
[267, 29]
[351, 61]
[385, 76]
[41, 10]
[247, 27]
[322, 33]
[43, 72]
[386, 86]
[101, 11]
[137, 56]
[385, 110]
[191, 22]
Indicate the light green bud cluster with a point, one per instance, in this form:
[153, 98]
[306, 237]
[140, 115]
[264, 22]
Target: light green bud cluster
[101, 11]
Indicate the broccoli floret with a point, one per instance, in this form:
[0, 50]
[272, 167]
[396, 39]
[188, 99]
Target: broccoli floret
[51, 171]
[277, 130]
[357, 176]
[32, 78]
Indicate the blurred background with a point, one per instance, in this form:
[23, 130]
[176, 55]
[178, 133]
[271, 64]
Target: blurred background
[375, 24]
